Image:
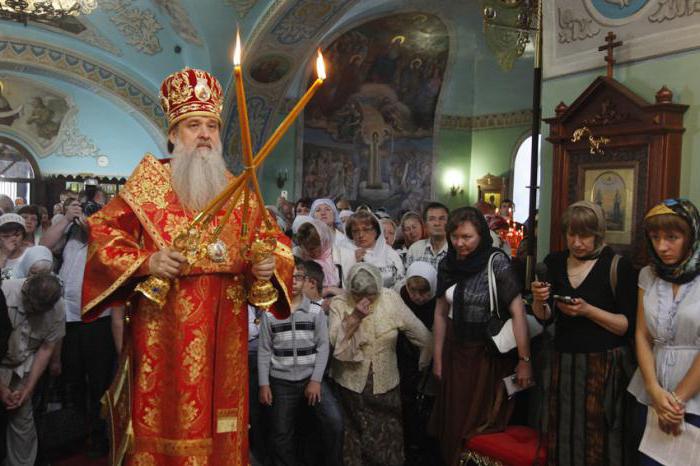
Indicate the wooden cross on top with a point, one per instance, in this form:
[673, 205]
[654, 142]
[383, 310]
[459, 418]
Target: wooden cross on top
[610, 46]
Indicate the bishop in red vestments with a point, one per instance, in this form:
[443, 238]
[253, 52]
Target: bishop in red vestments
[187, 362]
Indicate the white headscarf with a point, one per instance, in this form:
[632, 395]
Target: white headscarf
[424, 270]
[31, 256]
[331, 204]
[381, 255]
[361, 283]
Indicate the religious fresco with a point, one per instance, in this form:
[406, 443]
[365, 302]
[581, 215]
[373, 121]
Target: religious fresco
[368, 133]
[34, 112]
[270, 68]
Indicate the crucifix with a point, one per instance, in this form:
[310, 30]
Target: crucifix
[609, 46]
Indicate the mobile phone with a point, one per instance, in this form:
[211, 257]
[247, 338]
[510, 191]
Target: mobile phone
[512, 386]
[565, 299]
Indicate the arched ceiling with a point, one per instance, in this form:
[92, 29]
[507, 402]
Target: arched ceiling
[136, 43]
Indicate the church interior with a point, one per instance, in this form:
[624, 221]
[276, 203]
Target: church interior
[423, 101]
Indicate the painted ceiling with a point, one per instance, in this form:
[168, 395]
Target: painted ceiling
[126, 47]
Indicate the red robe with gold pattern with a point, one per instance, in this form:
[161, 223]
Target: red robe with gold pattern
[190, 362]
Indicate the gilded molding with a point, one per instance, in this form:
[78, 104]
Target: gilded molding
[487, 121]
[139, 27]
[25, 53]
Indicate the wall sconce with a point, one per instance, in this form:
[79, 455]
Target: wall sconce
[282, 178]
[454, 180]
[454, 190]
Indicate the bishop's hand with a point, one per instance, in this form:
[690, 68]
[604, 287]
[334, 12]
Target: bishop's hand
[166, 263]
[263, 269]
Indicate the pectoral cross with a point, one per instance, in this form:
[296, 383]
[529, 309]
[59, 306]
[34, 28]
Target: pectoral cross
[610, 46]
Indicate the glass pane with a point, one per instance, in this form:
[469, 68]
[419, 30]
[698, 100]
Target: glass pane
[13, 164]
[521, 180]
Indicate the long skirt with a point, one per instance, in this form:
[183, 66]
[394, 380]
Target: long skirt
[471, 398]
[589, 409]
[373, 432]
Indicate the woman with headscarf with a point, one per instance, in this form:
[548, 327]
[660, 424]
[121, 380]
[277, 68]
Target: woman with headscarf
[472, 398]
[365, 243]
[325, 211]
[592, 318]
[668, 321]
[418, 293]
[314, 241]
[364, 324]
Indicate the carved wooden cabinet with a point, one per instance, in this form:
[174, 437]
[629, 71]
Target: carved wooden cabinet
[638, 167]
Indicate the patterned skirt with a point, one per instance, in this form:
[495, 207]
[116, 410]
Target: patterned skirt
[589, 409]
[472, 398]
[373, 431]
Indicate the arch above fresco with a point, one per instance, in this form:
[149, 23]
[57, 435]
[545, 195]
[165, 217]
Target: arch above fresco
[44, 59]
[291, 29]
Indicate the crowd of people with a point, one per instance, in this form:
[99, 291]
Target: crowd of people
[387, 357]
[54, 368]
[405, 356]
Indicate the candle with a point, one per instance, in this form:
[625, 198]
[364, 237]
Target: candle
[289, 119]
[246, 146]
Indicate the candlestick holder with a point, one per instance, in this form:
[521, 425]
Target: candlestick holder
[262, 293]
[188, 243]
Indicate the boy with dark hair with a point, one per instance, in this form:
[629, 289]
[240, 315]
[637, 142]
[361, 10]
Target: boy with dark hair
[292, 357]
[313, 284]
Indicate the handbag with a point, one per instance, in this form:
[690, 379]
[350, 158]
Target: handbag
[500, 331]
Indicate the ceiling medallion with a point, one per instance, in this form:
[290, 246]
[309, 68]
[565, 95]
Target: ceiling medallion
[25, 10]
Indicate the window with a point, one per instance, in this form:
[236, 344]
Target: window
[16, 172]
[521, 179]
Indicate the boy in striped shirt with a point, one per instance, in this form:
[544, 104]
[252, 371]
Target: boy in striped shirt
[292, 356]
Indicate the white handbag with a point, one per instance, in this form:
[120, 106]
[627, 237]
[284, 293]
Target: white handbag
[504, 339]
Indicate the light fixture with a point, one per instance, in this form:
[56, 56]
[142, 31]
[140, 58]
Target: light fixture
[44, 10]
[508, 25]
[282, 176]
[454, 180]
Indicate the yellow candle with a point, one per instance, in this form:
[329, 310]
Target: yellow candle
[246, 146]
[294, 113]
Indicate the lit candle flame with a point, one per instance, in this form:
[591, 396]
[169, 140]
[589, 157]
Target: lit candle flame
[320, 66]
[237, 50]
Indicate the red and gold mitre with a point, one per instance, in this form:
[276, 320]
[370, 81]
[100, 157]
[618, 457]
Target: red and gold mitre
[190, 92]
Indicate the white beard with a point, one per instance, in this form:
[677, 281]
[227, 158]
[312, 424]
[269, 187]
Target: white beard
[198, 174]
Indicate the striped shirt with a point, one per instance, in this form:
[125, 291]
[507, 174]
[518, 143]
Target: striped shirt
[294, 348]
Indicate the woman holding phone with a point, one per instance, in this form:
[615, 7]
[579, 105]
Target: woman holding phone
[592, 318]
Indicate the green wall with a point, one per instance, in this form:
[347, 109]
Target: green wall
[454, 154]
[492, 152]
[678, 72]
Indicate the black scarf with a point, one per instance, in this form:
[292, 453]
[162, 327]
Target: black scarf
[452, 269]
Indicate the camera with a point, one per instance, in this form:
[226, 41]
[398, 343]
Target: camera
[90, 207]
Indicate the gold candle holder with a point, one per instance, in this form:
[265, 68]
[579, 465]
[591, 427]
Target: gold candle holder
[156, 289]
[262, 293]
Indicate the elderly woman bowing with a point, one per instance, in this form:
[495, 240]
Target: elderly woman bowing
[364, 325]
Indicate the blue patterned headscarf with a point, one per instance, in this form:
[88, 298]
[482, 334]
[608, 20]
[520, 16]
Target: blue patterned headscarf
[688, 268]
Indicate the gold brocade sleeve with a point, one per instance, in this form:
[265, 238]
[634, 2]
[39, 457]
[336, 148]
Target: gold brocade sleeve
[116, 251]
